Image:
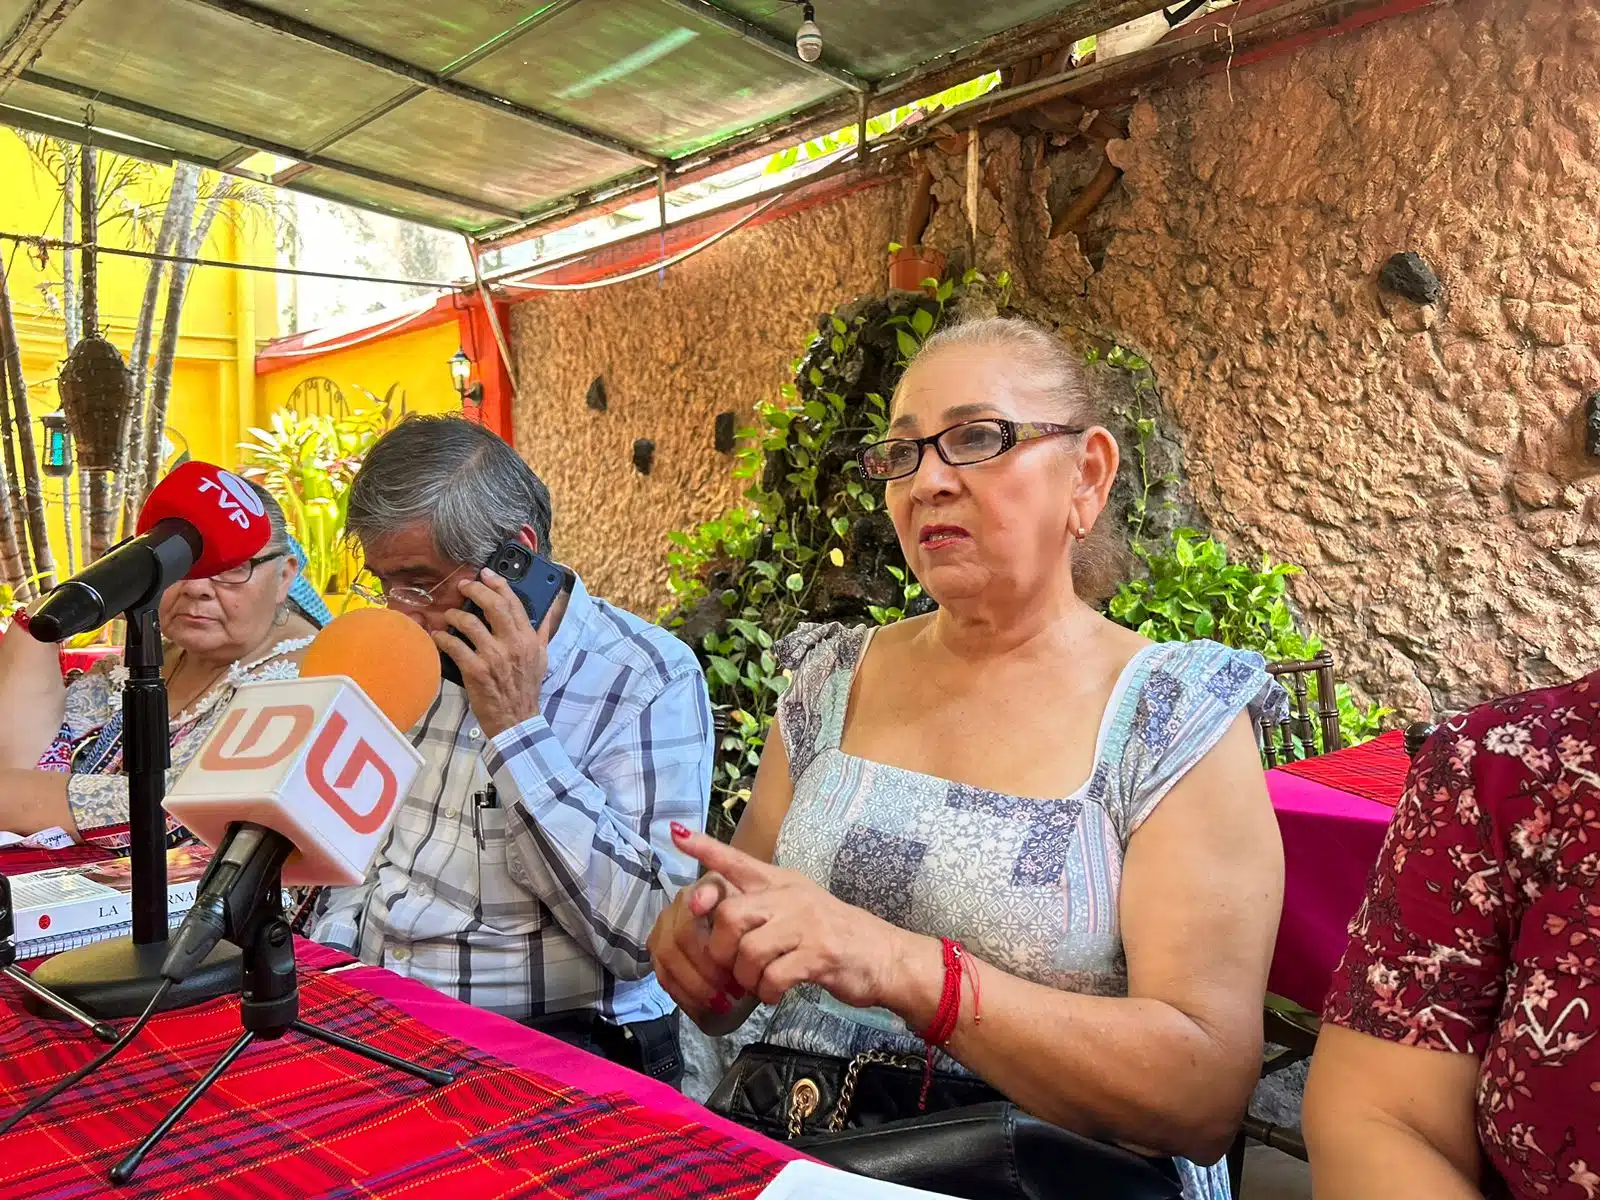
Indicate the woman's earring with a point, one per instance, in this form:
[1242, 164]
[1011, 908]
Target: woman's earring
[281, 615]
[1082, 533]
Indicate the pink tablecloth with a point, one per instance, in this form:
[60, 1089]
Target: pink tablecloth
[1331, 840]
[523, 1047]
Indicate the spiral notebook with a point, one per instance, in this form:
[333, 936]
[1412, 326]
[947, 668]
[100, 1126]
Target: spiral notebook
[67, 907]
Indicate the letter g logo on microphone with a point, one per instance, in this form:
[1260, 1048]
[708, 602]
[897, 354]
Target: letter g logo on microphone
[361, 757]
[217, 757]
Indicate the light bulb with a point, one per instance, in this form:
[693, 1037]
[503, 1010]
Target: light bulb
[808, 38]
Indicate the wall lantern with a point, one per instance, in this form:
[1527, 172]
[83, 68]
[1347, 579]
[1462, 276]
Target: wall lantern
[460, 373]
[56, 456]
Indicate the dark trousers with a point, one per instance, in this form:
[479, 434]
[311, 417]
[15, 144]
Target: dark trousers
[648, 1047]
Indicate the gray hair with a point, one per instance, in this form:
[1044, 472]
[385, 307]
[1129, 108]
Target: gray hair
[1055, 371]
[278, 539]
[464, 481]
[1051, 368]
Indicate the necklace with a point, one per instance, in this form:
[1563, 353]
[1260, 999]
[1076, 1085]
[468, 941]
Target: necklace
[183, 661]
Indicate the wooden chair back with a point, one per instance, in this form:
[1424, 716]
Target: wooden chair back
[1296, 737]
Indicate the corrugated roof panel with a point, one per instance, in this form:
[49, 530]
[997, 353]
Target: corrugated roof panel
[474, 150]
[431, 36]
[608, 66]
[193, 60]
[186, 143]
[334, 185]
[10, 12]
[642, 78]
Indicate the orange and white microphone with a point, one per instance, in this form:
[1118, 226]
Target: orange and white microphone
[301, 777]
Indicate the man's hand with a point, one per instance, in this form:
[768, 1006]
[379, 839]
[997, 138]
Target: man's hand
[504, 666]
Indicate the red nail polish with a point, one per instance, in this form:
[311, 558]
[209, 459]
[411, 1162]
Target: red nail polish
[720, 1005]
[679, 829]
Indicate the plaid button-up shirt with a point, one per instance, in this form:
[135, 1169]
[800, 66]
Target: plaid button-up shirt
[540, 899]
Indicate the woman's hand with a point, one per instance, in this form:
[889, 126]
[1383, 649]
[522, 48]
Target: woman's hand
[779, 929]
[679, 948]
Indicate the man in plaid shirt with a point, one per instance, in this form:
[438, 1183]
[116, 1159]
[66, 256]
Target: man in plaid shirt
[528, 863]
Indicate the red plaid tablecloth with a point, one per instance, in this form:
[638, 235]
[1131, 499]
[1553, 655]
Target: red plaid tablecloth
[1376, 770]
[20, 860]
[298, 1118]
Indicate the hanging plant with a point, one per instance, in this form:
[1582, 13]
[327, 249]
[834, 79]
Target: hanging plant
[96, 391]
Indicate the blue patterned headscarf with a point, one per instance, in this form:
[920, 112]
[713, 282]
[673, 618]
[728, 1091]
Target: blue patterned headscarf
[305, 596]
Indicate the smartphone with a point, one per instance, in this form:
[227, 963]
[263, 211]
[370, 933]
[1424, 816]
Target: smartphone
[535, 579]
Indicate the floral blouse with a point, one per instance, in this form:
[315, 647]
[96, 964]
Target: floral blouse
[1480, 933]
[89, 745]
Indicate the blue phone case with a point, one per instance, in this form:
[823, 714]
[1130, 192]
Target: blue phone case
[535, 579]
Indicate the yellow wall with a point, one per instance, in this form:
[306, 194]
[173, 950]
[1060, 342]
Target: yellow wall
[417, 361]
[227, 315]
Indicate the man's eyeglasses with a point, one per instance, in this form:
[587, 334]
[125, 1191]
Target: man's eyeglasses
[960, 445]
[240, 575]
[404, 596]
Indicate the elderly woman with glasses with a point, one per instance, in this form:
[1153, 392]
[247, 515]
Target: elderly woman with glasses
[1008, 839]
[61, 749]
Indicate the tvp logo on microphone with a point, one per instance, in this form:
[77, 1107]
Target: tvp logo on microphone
[313, 759]
[235, 497]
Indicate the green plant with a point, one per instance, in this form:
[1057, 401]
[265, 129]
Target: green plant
[821, 147]
[810, 539]
[1150, 489]
[308, 462]
[1193, 590]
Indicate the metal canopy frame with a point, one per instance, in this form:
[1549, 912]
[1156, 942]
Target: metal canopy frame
[333, 163]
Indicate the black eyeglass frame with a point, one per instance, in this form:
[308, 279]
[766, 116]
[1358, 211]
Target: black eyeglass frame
[1012, 435]
[251, 563]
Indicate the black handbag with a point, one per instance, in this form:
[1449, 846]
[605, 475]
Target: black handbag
[864, 1115]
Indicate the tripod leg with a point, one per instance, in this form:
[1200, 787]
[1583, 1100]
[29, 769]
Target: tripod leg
[437, 1078]
[123, 1172]
[25, 981]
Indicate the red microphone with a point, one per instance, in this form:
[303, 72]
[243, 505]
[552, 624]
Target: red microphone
[199, 521]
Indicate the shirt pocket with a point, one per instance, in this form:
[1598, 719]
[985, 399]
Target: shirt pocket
[509, 901]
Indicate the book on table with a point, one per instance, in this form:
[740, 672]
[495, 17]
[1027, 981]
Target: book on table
[62, 908]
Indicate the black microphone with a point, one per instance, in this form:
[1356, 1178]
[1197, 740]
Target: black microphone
[237, 887]
[198, 521]
[138, 569]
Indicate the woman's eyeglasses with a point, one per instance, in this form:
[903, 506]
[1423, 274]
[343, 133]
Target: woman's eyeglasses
[960, 445]
[404, 596]
[237, 576]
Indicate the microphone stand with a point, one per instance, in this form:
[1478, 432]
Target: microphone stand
[40, 995]
[269, 1007]
[117, 978]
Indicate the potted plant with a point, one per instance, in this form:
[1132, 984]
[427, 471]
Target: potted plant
[915, 268]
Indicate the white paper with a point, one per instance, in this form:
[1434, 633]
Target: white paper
[813, 1181]
[54, 838]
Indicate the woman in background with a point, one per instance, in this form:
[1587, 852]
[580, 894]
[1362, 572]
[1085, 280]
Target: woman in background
[1077, 815]
[1460, 1044]
[61, 745]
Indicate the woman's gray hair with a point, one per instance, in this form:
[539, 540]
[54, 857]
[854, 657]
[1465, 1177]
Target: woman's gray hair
[278, 539]
[464, 481]
[1055, 371]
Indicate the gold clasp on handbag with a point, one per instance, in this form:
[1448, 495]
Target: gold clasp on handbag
[804, 1098]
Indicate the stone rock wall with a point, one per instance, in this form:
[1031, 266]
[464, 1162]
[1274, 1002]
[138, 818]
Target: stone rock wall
[719, 336]
[1425, 463]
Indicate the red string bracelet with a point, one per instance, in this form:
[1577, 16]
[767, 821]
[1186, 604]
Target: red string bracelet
[948, 1013]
